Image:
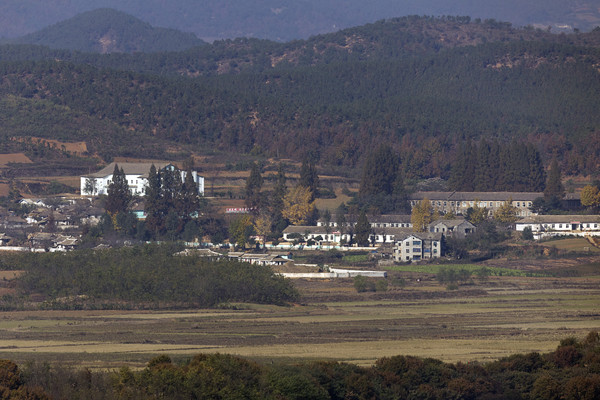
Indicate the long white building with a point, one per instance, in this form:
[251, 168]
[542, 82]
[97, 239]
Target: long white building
[136, 175]
[543, 226]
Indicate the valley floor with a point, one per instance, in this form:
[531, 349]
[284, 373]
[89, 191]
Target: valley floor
[479, 322]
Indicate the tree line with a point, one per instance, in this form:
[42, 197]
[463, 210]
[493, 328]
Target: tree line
[140, 276]
[496, 167]
[571, 372]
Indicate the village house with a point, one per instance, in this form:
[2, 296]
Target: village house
[136, 175]
[4, 239]
[458, 228]
[559, 225]
[52, 241]
[460, 202]
[259, 259]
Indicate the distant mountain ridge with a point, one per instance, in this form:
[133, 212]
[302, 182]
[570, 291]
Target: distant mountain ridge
[284, 20]
[110, 31]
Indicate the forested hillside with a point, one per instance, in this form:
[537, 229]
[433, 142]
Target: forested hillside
[421, 85]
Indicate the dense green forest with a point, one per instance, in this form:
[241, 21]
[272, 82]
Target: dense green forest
[422, 85]
[141, 276]
[571, 372]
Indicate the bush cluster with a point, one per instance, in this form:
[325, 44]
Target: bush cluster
[148, 274]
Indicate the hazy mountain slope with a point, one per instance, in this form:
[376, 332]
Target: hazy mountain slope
[396, 38]
[110, 31]
[284, 20]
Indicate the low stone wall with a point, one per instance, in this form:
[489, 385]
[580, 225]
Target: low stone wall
[334, 273]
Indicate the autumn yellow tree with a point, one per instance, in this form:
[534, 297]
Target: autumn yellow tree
[590, 196]
[262, 226]
[478, 214]
[506, 213]
[298, 205]
[422, 215]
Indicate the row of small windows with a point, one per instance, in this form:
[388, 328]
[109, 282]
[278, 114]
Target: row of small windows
[472, 203]
[559, 226]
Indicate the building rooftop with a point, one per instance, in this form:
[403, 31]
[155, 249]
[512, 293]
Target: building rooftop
[140, 169]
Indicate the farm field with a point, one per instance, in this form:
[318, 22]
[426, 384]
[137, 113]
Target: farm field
[482, 321]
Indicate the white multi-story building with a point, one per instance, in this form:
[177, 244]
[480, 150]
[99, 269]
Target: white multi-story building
[136, 175]
[418, 246]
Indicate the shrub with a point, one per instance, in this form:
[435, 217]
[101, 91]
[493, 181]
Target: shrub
[527, 233]
[381, 285]
[362, 284]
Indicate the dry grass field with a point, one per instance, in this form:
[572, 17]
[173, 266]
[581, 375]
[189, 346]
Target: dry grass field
[482, 322]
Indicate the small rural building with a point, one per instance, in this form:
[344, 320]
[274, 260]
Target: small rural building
[559, 225]
[136, 175]
[66, 243]
[203, 253]
[4, 239]
[458, 228]
[259, 259]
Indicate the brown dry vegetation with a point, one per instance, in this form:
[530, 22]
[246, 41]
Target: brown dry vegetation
[482, 321]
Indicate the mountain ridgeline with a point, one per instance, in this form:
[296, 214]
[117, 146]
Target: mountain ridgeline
[110, 31]
[422, 85]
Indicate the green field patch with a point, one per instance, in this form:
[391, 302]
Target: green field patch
[473, 268]
[353, 258]
[573, 244]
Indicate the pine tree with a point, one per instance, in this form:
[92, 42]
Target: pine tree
[153, 202]
[279, 192]
[379, 172]
[309, 178]
[119, 196]
[554, 187]
[253, 187]
[537, 175]
[463, 169]
[362, 230]
[327, 220]
[482, 181]
[189, 199]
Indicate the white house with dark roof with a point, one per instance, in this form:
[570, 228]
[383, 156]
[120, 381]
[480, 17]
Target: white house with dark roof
[559, 225]
[136, 175]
